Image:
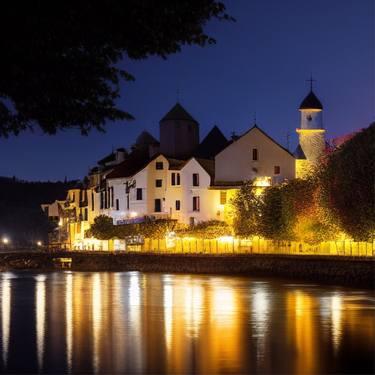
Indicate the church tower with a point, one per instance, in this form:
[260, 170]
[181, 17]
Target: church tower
[179, 133]
[311, 134]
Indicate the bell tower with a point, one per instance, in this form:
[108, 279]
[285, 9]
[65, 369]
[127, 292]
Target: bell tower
[311, 134]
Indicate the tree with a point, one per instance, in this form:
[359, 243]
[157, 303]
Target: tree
[61, 61]
[246, 206]
[348, 185]
[102, 228]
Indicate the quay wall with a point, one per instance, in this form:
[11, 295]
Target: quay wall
[340, 270]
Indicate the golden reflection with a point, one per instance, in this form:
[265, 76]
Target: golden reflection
[96, 319]
[260, 317]
[69, 319]
[6, 299]
[301, 330]
[40, 303]
[134, 322]
[336, 316]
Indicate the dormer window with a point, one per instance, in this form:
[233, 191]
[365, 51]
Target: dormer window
[159, 165]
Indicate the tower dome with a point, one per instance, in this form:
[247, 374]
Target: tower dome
[311, 102]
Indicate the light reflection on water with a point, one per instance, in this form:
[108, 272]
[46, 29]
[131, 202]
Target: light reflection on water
[131, 322]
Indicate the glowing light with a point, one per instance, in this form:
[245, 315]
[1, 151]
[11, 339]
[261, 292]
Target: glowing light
[5, 240]
[5, 315]
[336, 303]
[170, 239]
[39, 243]
[262, 182]
[133, 214]
[60, 223]
[96, 318]
[40, 302]
[69, 320]
[226, 239]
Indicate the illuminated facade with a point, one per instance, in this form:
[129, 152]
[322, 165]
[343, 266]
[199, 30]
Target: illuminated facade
[311, 135]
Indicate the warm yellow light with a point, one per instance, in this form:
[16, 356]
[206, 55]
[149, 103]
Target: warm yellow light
[60, 223]
[133, 214]
[299, 130]
[170, 239]
[5, 240]
[225, 239]
[39, 243]
[262, 182]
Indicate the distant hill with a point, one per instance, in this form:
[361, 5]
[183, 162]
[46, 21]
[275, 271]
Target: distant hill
[21, 218]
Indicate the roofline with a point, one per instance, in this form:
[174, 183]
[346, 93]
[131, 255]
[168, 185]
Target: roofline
[255, 126]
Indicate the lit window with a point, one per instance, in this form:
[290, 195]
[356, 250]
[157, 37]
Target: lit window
[223, 197]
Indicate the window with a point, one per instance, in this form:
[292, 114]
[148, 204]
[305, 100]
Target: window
[159, 165]
[178, 205]
[157, 205]
[85, 214]
[92, 201]
[117, 204]
[139, 194]
[175, 179]
[158, 183]
[101, 199]
[195, 179]
[223, 197]
[112, 196]
[255, 154]
[196, 204]
[276, 169]
[127, 202]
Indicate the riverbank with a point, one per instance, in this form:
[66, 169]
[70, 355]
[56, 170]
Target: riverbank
[341, 270]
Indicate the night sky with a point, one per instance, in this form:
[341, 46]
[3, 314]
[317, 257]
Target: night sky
[259, 64]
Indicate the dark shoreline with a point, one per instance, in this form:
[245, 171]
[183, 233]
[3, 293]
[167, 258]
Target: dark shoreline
[338, 270]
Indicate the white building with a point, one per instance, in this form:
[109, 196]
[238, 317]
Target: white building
[254, 155]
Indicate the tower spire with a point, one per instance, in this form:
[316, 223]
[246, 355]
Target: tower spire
[311, 80]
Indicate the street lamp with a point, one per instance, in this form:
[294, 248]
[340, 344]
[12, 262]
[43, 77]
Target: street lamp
[5, 240]
[39, 243]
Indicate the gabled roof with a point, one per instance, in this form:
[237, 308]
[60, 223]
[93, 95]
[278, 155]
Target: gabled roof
[135, 164]
[212, 144]
[209, 166]
[178, 113]
[255, 126]
[311, 102]
[145, 138]
[128, 167]
[298, 153]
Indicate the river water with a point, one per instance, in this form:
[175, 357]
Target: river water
[130, 322]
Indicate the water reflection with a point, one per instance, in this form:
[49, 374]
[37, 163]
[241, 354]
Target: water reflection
[134, 323]
[40, 305]
[6, 300]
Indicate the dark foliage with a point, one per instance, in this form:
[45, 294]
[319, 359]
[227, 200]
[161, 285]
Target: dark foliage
[348, 185]
[21, 217]
[60, 60]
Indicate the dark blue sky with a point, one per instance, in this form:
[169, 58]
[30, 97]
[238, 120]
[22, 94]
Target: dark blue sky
[260, 63]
